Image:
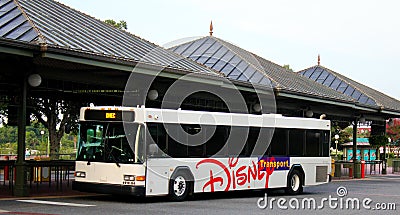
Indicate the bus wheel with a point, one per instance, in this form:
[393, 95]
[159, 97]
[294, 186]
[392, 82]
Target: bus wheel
[179, 187]
[295, 183]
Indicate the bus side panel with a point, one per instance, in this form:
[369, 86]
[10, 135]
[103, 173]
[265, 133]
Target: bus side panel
[225, 174]
[316, 169]
[278, 179]
[157, 176]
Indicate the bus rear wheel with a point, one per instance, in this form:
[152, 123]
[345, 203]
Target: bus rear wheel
[179, 187]
[295, 183]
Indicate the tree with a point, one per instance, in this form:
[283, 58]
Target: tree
[287, 66]
[393, 131]
[56, 115]
[121, 24]
[378, 140]
[345, 135]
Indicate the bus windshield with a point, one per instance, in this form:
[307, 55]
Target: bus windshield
[107, 142]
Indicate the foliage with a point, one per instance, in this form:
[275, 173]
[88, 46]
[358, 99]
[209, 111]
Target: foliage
[378, 140]
[345, 135]
[56, 116]
[121, 24]
[3, 112]
[287, 66]
[35, 140]
[8, 134]
[394, 131]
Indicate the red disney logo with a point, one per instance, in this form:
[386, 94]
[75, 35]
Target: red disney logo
[236, 175]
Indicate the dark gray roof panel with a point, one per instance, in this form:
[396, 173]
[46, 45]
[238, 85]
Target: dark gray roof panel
[256, 78]
[62, 27]
[239, 64]
[361, 93]
[13, 24]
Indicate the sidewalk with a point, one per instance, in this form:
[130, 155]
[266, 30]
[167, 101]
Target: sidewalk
[42, 190]
[389, 171]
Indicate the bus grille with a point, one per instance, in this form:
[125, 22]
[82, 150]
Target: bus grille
[321, 173]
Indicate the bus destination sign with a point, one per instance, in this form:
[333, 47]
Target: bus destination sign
[110, 115]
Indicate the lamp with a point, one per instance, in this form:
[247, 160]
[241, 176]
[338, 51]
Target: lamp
[152, 95]
[362, 120]
[336, 142]
[257, 107]
[309, 113]
[34, 80]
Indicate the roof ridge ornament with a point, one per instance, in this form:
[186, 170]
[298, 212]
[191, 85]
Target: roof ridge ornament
[319, 60]
[211, 29]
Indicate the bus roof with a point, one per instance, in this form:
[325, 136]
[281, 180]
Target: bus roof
[145, 115]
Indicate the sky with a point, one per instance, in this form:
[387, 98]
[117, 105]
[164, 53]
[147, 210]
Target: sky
[358, 38]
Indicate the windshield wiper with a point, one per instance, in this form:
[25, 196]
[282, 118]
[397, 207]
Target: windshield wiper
[113, 157]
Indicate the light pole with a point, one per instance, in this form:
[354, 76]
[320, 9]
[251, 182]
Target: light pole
[336, 142]
[42, 133]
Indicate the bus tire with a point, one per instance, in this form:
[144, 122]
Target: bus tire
[295, 183]
[179, 186]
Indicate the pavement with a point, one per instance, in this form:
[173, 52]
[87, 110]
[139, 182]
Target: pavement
[64, 189]
[44, 189]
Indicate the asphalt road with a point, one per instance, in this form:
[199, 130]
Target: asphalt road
[375, 192]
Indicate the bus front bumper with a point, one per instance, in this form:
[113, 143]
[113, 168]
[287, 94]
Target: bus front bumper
[108, 188]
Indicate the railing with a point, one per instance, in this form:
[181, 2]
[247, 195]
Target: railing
[345, 168]
[58, 174]
[396, 166]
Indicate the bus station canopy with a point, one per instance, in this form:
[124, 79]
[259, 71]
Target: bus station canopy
[62, 39]
[361, 93]
[50, 29]
[314, 84]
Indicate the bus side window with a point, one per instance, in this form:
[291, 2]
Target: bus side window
[238, 145]
[263, 140]
[156, 139]
[325, 143]
[279, 142]
[313, 145]
[296, 142]
[216, 145]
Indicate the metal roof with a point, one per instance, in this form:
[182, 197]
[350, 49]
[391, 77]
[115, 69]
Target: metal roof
[361, 93]
[239, 64]
[52, 24]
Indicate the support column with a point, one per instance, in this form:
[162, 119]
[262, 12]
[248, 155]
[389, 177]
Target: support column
[379, 128]
[355, 148]
[21, 188]
[355, 141]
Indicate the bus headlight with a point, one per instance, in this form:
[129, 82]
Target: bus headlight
[80, 174]
[129, 178]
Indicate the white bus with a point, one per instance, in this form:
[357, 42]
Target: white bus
[150, 152]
